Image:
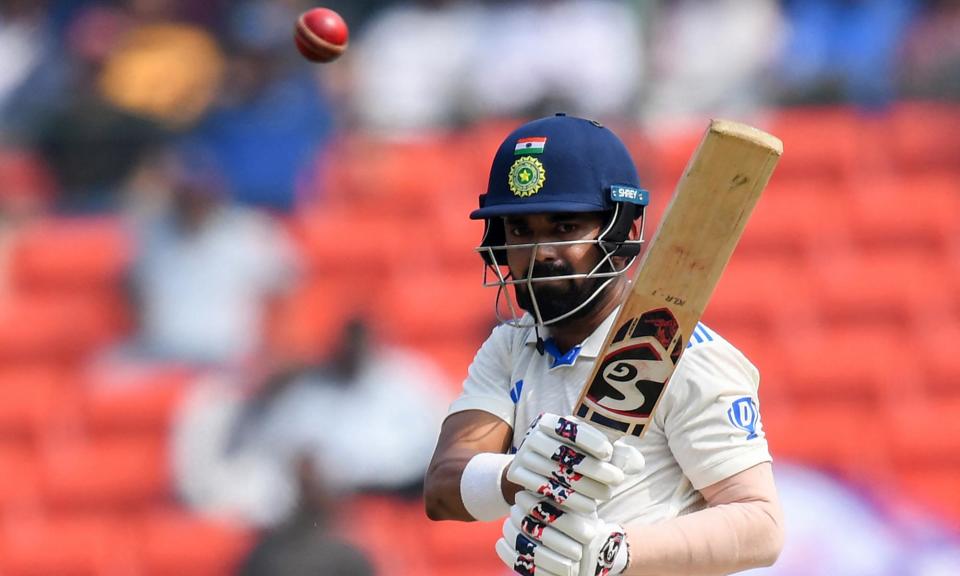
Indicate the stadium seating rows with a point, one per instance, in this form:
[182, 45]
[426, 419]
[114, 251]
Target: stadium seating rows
[843, 291]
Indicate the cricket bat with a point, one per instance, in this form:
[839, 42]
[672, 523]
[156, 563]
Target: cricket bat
[699, 230]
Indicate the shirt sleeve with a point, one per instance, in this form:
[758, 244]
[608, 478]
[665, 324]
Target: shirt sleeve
[487, 386]
[711, 414]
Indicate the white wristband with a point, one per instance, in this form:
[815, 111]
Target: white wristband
[480, 489]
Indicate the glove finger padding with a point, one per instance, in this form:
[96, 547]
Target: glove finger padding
[529, 551]
[545, 511]
[576, 433]
[579, 461]
[564, 474]
[554, 489]
[520, 564]
[541, 532]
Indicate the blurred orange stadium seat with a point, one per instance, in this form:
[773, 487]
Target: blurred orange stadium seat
[19, 470]
[940, 362]
[32, 399]
[462, 547]
[422, 307]
[917, 210]
[935, 487]
[133, 401]
[797, 216]
[366, 243]
[891, 286]
[453, 357]
[926, 430]
[382, 174]
[75, 544]
[172, 542]
[853, 363]
[924, 135]
[669, 155]
[761, 291]
[71, 253]
[843, 437]
[56, 326]
[819, 142]
[115, 471]
[456, 237]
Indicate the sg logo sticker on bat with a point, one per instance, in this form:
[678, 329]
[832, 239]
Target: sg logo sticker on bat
[632, 376]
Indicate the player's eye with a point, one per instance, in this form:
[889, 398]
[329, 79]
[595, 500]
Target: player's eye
[517, 230]
[566, 227]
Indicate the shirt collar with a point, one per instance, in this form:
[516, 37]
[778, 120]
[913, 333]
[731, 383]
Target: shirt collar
[589, 348]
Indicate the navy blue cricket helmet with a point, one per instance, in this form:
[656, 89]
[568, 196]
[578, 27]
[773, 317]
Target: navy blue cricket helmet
[562, 164]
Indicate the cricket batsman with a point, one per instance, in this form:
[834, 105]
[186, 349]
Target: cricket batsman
[563, 215]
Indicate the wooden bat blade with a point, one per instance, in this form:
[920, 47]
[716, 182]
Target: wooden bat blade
[697, 235]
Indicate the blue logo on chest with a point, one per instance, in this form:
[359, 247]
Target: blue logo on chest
[744, 415]
[515, 392]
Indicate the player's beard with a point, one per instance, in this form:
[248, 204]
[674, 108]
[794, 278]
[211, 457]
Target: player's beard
[554, 299]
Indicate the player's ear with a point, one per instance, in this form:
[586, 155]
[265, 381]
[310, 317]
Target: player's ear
[634, 232]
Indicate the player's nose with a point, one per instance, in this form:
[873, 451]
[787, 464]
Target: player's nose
[545, 250]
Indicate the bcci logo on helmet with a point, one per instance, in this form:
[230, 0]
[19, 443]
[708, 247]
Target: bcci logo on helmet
[526, 176]
[744, 415]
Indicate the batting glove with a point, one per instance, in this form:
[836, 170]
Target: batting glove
[571, 462]
[544, 539]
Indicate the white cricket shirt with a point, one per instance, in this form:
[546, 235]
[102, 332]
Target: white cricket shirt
[705, 429]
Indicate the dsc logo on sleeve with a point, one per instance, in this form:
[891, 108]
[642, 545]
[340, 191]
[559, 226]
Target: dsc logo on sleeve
[744, 415]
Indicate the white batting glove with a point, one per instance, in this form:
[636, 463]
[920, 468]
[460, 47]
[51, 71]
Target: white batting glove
[544, 539]
[571, 462]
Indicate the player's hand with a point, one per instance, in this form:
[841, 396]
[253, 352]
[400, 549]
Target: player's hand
[544, 539]
[571, 462]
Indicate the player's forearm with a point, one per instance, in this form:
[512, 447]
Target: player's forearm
[718, 540]
[441, 490]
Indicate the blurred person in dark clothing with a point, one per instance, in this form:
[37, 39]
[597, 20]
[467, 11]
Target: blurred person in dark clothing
[272, 115]
[303, 544]
[930, 67]
[842, 51]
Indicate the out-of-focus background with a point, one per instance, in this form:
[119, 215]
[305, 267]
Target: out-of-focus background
[238, 291]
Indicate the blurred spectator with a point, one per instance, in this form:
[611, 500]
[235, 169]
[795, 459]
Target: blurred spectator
[206, 272]
[836, 529]
[304, 544]
[711, 58]
[162, 68]
[272, 114]
[90, 143]
[432, 64]
[365, 420]
[586, 57]
[931, 59]
[33, 75]
[842, 50]
[410, 63]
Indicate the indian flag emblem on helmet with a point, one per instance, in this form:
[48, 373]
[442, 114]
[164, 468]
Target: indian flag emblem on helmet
[526, 176]
[534, 145]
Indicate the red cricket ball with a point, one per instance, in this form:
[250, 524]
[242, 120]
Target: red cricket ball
[321, 35]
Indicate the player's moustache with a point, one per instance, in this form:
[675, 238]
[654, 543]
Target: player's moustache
[553, 298]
